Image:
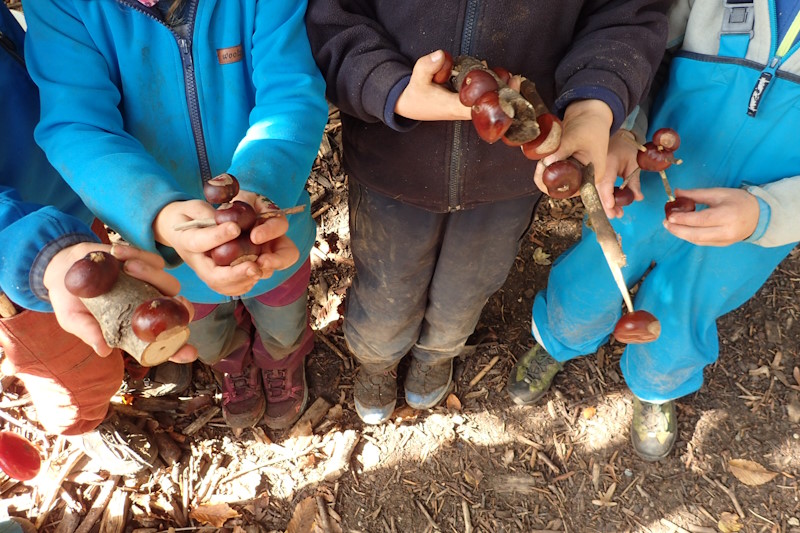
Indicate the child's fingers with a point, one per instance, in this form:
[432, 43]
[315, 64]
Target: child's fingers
[155, 276]
[186, 354]
[270, 229]
[85, 327]
[282, 254]
[202, 240]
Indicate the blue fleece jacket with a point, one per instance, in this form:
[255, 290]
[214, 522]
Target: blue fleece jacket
[30, 234]
[135, 115]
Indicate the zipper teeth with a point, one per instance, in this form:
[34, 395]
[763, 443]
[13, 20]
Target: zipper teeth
[11, 48]
[189, 82]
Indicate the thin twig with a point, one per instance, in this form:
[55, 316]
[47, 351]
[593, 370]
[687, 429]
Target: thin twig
[667, 187]
[322, 512]
[208, 222]
[730, 494]
[485, 370]
[335, 349]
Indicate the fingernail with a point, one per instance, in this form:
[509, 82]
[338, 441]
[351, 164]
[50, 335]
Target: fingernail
[436, 56]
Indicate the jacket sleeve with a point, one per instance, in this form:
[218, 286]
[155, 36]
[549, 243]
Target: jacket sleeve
[779, 203]
[30, 235]
[361, 64]
[635, 30]
[82, 130]
[276, 155]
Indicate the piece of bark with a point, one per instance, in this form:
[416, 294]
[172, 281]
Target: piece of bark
[311, 417]
[115, 516]
[99, 505]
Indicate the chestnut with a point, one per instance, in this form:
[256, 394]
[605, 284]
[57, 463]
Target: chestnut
[221, 189]
[489, 119]
[240, 212]
[667, 138]
[19, 459]
[502, 73]
[548, 140]
[444, 73]
[236, 251]
[159, 318]
[653, 159]
[562, 178]
[681, 204]
[623, 197]
[637, 327]
[92, 275]
[476, 83]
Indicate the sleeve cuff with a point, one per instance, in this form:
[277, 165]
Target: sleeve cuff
[46, 254]
[392, 119]
[594, 93]
[764, 214]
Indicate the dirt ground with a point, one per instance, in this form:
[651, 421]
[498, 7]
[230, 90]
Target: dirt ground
[478, 463]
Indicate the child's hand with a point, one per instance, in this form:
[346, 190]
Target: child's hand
[277, 251]
[73, 316]
[423, 99]
[622, 162]
[587, 124]
[731, 216]
[194, 244]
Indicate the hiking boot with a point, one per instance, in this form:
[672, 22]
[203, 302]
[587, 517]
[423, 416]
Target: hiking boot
[427, 384]
[118, 446]
[653, 429]
[243, 402]
[287, 392]
[163, 380]
[532, 376]
[375, 395]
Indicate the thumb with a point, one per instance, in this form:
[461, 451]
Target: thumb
[427, 66]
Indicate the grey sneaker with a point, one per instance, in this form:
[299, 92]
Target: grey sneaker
[532, 376]
[653, 429]
[163, 380]
[119, 446]
[426, 384]
[375, 395]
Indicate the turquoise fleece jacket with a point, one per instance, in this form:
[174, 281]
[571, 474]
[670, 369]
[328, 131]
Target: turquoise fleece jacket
[30, 234]
[136, 115]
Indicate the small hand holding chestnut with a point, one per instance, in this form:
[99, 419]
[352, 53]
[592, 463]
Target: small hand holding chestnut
[73, 315]
[427, 99]
[276, 250]
[621, 161]
[731, 216]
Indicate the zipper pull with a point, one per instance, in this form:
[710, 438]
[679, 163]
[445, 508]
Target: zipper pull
[185, 52]
[762, 84]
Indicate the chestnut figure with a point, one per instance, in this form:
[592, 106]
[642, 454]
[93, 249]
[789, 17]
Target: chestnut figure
[548, 140]
[637, 327]
[239, 212]
[93, 275]
[562, 178]
[623, 197]
[236, 251]
[652, 159]
[221, 189]
[681, 204]
[444, 73]
[502, 73]
[476, 83]
[489, 119]
[19, 459]
[159, 318]
[667, 138]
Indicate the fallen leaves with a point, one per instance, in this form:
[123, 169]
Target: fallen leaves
[729, 523]
[216, 515]
[750, 472]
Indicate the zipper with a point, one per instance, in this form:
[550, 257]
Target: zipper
[189, 80]
[454, 178]
[11, 48]
[778, 52]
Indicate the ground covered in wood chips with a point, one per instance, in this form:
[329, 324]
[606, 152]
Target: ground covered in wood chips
[477, 463]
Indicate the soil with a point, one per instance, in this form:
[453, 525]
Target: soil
[476, 463]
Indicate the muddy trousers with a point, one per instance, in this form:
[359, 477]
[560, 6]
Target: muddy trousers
[423, 278]
[223, 336]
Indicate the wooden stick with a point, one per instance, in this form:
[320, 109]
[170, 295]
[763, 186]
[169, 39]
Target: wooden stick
[634, 143]
[667, 187]
[322, 512]
[312, 416]
[335, 349]
[209, 222]
[7, 308]
[99, 505]
[485, 370]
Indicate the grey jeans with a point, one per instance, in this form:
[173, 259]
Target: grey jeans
[423, 278]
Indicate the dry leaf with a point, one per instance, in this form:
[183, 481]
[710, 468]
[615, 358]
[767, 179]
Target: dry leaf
[304, 517]
[404, 413]
[729, 523]
[453, 403]
[589, 412]
[750, 472]
[540, 257]
[508, 457]
[216, 515]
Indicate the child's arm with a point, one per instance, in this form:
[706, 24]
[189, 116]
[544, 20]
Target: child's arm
[765, 215]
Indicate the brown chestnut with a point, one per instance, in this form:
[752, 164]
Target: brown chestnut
[562, 178]
[236, 251]
[489, 119]
[681, 204]
[444, 73]
[623, 197]
[637, 327]
[221, 189]
[159, 319]
[667, 138]
[476, 83]
[92, 275]
[502, 73]
[653, 159]
[548, 140]
[237, 211]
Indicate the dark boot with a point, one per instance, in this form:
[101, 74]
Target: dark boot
[243, 401]
[119, 446]
[532, 376]
[654, 429]
[426, 385]
[375, 394]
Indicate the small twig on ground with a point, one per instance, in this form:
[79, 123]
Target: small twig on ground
[322, 512]
[467, 520]
[730, 494]
[421, 507]
[201, 421]
[701, 529]
[311, 417]
[99, 505]
[673, 527]
[335, 349]
[485, 370]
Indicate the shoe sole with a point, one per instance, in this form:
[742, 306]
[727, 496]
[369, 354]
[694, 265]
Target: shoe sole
[368, 416]
[653, 458]
[439, 398]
